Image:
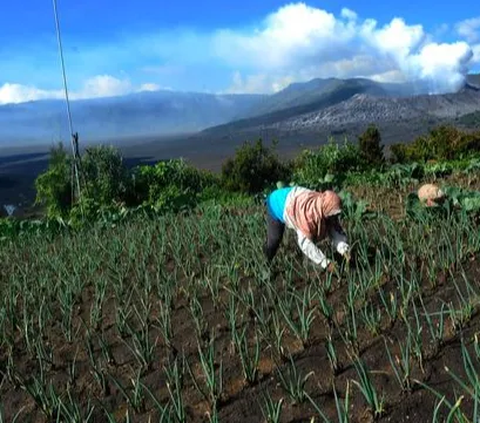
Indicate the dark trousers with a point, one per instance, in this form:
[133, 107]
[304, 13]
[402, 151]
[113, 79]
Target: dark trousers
[275, 230]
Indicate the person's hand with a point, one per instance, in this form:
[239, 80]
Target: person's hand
[331, 267]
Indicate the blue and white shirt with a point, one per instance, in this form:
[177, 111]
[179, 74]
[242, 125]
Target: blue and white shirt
[277, 203]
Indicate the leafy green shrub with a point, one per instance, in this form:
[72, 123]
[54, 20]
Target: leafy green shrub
[104, 175]
[54, 186]
[415, 210]
[371, 148]
[253, 168]
[399, 153]
[400, 175]
[106, 182]
[456, 200]
[442, 143]
[439, 169]
[214, 196]
[353, 209]
[103, 180]
[15, 228]
[467, 200]
[328, 166]
[469, 166]
[169, 185]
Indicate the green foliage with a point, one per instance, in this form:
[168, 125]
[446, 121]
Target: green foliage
[401, 175]
[170, 185]
[326, 167]
[456, 199]
[75, 307]
[395, 176]
[104, 175]
[103, 181]
[353, 209]
[253, 168]
[467, 200]
[371, 148]
[110, 189]
[11, 228]
[399, 153]
[442, 143]
[417, 211]
[216, 195]
[54, 189]
[107, 184]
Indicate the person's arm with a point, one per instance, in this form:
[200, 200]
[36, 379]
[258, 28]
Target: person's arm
[312, 251]
[338, 236]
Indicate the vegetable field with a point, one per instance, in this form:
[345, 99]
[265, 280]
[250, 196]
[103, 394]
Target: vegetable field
[179, 319]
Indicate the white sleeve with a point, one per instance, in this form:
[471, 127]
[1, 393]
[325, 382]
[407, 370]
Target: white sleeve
[311, 250]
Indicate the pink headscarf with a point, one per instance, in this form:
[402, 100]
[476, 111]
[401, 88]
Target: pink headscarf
[309, 210]
[430, 194]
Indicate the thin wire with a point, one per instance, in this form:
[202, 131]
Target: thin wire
[65, 86]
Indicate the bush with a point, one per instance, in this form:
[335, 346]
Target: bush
[54, 186]
[399, 153]
[253, 168]
[327, 167]
[442, 143]
[104, 175]
[371, 148]
[106, 182]
[169, 185]
[103, 181]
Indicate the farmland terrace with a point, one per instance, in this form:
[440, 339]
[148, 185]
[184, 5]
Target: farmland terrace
[178, 318]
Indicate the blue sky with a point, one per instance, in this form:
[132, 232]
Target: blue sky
[116, 47]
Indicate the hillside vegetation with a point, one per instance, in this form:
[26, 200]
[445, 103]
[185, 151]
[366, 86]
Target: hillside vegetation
[149, 299]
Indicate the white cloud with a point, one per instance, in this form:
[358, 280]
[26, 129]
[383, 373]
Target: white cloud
[293, 33]
[395, 76]
[98, 86]
[435, 61]
[298, 41]
[16, 93]
[103, 86]
[476, 53]
[259, 83]
[348, 14]
[469, 29]
[149, 87]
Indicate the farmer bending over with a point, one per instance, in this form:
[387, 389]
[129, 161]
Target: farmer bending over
[430, 195]
[313, 215]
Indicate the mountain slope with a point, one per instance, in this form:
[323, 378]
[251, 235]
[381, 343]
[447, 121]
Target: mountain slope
[146, 113]
[312, 92]
[166, 112]
[363, 109]
[341, 92]
[308, 96]
[303, 98]
[360, 109]
[474, 79]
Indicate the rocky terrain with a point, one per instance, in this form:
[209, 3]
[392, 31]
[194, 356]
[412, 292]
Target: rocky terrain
[400, 117]
[364, 108]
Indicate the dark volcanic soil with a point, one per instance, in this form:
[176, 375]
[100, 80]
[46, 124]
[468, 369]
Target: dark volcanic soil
[241, 401]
